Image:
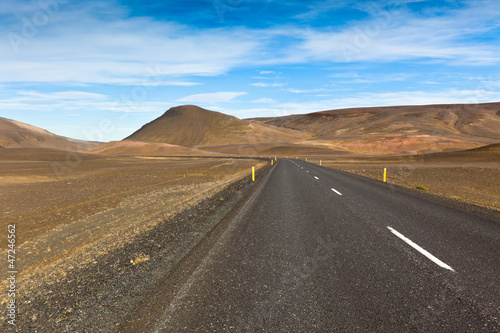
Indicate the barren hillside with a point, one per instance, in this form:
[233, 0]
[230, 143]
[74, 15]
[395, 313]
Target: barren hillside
[14, 134]
[400, 129]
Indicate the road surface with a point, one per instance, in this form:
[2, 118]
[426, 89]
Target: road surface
[318, 250]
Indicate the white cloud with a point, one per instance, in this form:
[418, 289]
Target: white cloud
[372, 78]
[74, 102]
[223, 96]
[62, 95]
[348, 75]
[264, 100]
[305, 91]
[320, 9]
[393, 98]
[391, 36]
[256, 112]
[171, 83]
[421, 98]
[264, 85]
[82, 47]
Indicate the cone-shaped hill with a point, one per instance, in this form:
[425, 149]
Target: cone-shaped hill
[190, 125]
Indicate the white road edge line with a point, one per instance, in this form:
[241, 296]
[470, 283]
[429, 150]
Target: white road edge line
[421, 250]
[334, 190]
[316, 177]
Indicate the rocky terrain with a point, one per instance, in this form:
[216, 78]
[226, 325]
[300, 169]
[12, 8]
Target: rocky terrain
[142, 214]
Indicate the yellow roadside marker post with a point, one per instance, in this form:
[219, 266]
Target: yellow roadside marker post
[253, 174]
[319, 162]
[306, 159]
[385, 175]
[272, 162]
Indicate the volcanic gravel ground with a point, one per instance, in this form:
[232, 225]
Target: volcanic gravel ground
[87, 274]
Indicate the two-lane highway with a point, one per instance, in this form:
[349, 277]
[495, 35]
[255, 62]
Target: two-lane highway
[318, 250]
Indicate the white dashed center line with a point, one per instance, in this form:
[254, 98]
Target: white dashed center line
[421, 250]
[316, 177]
[334, 190]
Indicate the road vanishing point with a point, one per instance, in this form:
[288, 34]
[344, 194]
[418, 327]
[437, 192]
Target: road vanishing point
[313, 249]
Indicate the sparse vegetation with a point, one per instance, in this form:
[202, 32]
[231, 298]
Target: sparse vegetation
[421, 188]
[140, 258]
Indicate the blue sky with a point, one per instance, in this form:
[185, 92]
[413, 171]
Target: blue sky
[99, 70]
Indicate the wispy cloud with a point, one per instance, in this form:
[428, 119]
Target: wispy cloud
[322, 8]
[85, 47]
[224, 96]
[82, 47]
[401, 35]
[169, 83]
[264, 85]
[306, 91]
[428, 82]
[62, 95]
[76, 102]
[264, 100]
[393, 98]
[351, 77]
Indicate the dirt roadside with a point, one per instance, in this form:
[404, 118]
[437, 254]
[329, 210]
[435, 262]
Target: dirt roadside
[470, 177]
[84, 275]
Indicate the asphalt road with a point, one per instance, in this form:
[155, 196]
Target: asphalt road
[318, 250]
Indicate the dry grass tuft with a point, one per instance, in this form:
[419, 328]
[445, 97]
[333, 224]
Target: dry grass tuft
[140, 258]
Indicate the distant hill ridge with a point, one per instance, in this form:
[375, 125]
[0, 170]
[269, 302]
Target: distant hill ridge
[480, 120]
[191, 130]
[369, 130]
[15, 134]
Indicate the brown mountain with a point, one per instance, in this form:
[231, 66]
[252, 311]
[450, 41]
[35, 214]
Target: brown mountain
[192, 126]
[399, 129]
[14, 134]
